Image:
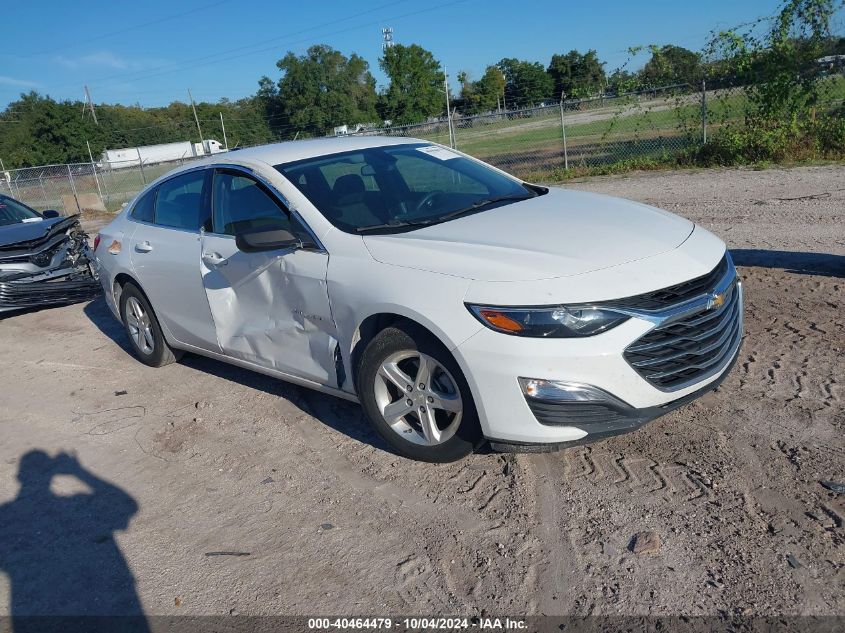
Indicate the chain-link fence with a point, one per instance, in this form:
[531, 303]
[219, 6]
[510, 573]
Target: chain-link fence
[535, 142]
[79, 187]
[657, 126]
[662, 126]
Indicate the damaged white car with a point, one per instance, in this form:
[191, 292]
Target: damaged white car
[44, 258]
[456, 303]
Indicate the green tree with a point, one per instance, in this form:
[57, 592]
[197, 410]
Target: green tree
[37, 130]
[621, 81]
[577, 75]
[779, 67]
[415, 92]
[488, 90]
[483, 95]
[671, 65]
[318, 91]
[526, 83]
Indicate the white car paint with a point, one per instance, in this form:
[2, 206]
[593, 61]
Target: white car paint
[285, 313]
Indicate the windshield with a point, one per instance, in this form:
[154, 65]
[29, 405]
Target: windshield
[14, 212]
[400, 187]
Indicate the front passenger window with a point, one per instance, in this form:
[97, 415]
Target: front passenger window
[241, 204]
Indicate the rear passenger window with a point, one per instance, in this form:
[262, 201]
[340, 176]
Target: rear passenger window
[145, 207]
[179, 201]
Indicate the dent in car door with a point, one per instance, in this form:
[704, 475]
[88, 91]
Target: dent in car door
[270, 308]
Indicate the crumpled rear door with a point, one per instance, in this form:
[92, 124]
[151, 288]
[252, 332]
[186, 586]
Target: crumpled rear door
[271, 308]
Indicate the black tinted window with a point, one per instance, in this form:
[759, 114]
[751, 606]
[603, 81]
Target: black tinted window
[241, 204]
[179, 201]
[145, 207]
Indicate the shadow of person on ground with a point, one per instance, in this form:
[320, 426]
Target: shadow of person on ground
[823, 264]
[60, 555]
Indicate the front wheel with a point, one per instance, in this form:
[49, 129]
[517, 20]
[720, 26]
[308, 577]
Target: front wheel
[416, 397]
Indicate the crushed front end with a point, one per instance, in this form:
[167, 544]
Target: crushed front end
[51, 269]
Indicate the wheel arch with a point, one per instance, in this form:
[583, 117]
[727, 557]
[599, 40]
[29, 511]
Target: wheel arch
[370, 326]
[120, 281]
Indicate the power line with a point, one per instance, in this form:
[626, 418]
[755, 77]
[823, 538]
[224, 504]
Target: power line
[176, 66]
[338, 32]
[96, 38]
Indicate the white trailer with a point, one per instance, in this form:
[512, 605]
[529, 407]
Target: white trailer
[152, 154]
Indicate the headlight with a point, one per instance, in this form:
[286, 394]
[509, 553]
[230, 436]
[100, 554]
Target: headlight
[555, 322]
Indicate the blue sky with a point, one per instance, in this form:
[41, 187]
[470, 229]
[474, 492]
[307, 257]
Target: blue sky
[219, 48]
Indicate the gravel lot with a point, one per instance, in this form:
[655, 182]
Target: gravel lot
[241, 494]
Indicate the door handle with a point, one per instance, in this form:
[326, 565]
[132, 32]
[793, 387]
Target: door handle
[212, 259]
[143, 247]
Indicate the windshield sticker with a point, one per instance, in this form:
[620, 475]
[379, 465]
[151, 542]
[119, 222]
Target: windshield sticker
[438, 152]
[31, 220]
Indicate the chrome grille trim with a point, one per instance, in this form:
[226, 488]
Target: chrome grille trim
[690, 342]
[657, 300]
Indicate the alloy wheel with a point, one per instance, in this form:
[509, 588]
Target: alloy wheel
[418, 398]
[140, 328]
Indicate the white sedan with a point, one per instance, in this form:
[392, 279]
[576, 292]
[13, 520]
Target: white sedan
[455, 302]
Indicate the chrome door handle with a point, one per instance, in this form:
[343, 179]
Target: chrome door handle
[143, 247]
[212, 259]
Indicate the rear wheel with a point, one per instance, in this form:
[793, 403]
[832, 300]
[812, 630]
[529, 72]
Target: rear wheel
[143, 329]
[416, 397]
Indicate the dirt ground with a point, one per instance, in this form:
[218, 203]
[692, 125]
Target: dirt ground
[241, 494]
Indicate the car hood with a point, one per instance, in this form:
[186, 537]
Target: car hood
[560, 234]
[23, 233]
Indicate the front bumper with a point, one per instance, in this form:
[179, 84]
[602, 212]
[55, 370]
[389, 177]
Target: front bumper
[493, 364]
[56, 287]
[621, 419]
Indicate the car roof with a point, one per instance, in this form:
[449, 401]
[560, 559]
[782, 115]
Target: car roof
[285, 152]
[290, 151]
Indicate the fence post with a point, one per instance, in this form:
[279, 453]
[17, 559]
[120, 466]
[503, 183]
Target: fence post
[703, 112]
[94, 170]
[73, 188]
[141, 165]
[43, 192]
[563, 131]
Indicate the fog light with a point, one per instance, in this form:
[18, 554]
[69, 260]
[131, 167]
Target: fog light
[562, 391]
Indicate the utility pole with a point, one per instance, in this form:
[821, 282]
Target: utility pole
[225, 142]
[448, 110]
[90, 105]
[703, 112]
[196, 118]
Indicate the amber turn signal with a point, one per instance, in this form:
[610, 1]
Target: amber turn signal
[501, 321]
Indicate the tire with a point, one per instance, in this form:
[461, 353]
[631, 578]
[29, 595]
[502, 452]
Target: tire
[137, 315]
[438, 423]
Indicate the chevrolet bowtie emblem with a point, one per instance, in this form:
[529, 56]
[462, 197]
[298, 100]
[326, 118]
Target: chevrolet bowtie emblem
[716, 300]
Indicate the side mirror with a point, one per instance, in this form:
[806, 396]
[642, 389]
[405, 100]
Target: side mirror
[51, 213]
[266, 240]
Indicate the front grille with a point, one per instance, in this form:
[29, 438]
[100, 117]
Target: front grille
[673, 295]
[689, 349]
